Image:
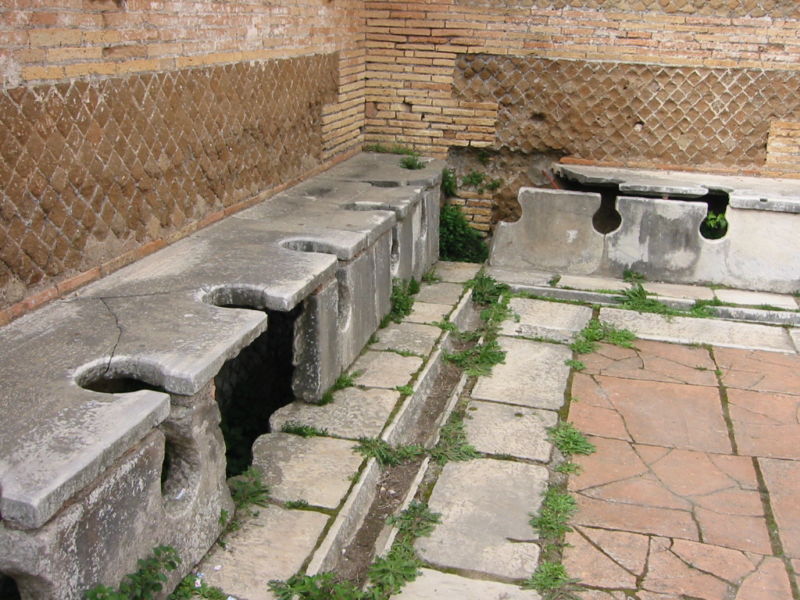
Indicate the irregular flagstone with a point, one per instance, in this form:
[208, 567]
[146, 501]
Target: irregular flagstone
[654, 361]
[534, 374]
[273, 544]
[756, 298]
[354, 413]
[654, 412]
[782, 478]
[456, 272]
[485, 506]
[385, 369]
[725, 563]
[428, 312]
[434, 585]
[496, 428]
[759, 371]
[690, 330]
[407, 337]
[628, 550]
[669, 574]
[440, 293]
[769, 582]
[542, 319]
[593, 565]
[765, 424]
[315, 469]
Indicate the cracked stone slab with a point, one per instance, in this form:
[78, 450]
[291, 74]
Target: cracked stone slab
[689, 330]
[435, 585]
[759, 371]
[428, 312]
[757, 298]
[456, 272]
[782, 478]
[534, 375]
[543, 319]
[485, 506]
[314, 469]
[516, 431]
[407, 337]
[440, 293]
[354, 413]
[274, 544]
[765, 424]
[385, 369]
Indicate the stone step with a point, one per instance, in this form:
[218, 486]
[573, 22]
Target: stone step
[542, 319]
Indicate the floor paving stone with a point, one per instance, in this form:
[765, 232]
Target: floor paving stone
[484, 503]
[542, 319]
[757, 298]
[427, 312]
[271, 545]
[385, 369]
[594, 564]
[759, 371]
[782, 478]
[582, 282]
[440, 293]
[407, 337]
[354, 413]
[765, 424]
[315, 469]
[519, 277]
[677, 290]
[434, 585]
[534, 375]
[456, 272]
[516, 431]
[689, 330]
[654, 361]
[650, 412]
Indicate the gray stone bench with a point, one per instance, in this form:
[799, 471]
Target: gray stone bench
[659, 237]
[110, 441]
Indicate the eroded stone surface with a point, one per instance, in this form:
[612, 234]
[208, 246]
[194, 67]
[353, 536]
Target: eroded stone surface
[435, 585]
[485, 503]
[385, 369]
[534, 374]
[440, 293]
[521, 432]
[542, 319]
[407, 337]
[271, 545]
[689, 330]
[315, 469]
[354, 413]
[456, 272]
[428, 312]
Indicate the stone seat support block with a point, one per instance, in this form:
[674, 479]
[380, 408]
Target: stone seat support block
[126, 368]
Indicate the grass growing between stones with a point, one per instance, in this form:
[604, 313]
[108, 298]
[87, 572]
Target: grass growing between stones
[305, 431]
[402, 300]
[551, 580]
[595, 331]
[247, 490]
[386, 454]
[452, 445]
[457, 240]
[345, 380]
[569, 440]
[146, 582]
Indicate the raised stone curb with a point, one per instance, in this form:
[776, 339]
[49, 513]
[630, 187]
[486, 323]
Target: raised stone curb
[485, 504]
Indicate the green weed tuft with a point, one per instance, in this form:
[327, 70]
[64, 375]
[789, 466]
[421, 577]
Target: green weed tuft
[575, 364]
[449, 183]
[146, 582]
[323, 586]
[596, 331]
[479, 359]
[305, 431]
[551, 580]
[386, 454]
[485, 289]
[412, 162]
[570, 440]
[415, 521]
[453, 444]
[457, 240]
[557, 509]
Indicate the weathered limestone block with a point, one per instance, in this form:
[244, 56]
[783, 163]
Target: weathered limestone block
[555, 233]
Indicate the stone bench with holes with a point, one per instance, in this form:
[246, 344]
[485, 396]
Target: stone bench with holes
[655, 223]
[115, 400]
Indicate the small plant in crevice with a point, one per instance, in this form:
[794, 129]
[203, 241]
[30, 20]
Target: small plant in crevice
[345, 380]
[195, 586]
[714, 226]
[637, 298]
[323, 586]
[453, 445]
[553, 281]
[569, 440]
[390, 573]
[405, 390]
[386, 454]
[575, 364]
[430, 276]
[296, 504]
[552, 522]
[631, 276]
[480, 182]
[449, 183]
[553, 583]
[485, 289]
[596, 331]
[393, 149]
[402, 300]
[247, 490]
[144, 584]
[457, 240]
[479, 359]
[412, 162]
[417, 520]
[305, 431]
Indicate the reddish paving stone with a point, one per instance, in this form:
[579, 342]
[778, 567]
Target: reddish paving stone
[765, 424]
[759, 371]
[654, 361]
[633, 518]
[628, 550]
[769, 582]
[667, 573]
[595, 567]
[663, 414]
[727, 564]
[782, 478]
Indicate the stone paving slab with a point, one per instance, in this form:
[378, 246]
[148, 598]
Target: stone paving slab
[543, 319]
[440, 293]
[765, 424]
[456, 272]
[502, 429]
[434, 585]
[428, 312]
[272, 545]
[688, 330]
[485, 506]
[407, 337]
[584, 282]
[794, 333]
[315, 469]
[679, 290]
[519, 276]
[782, 478]
[354, 413]
[385, 369]
[759, 371]
[534, 375]
[757, 298]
